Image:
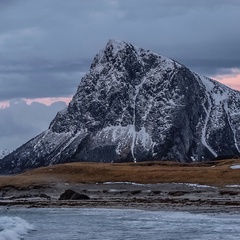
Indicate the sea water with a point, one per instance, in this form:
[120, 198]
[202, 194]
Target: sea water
[113, 224]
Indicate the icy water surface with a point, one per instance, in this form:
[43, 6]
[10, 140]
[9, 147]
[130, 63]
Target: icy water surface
[112, 224]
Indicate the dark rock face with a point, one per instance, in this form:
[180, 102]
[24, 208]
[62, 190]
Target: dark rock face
[72, 195]
[135, 105]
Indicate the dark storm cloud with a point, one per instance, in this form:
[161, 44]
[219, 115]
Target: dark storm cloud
[193, 32]
[37, 85]
[40, 79]
[44, 44]
[159, 9]
[211, 67]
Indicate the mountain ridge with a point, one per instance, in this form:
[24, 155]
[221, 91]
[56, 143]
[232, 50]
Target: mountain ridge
[135, 105]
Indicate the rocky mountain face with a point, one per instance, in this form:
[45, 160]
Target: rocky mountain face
[135, 105]
[4, 153]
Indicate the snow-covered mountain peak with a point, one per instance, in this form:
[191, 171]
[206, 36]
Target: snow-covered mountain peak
[116, 45]
[113, 50]
[117, 52]
[136, 105]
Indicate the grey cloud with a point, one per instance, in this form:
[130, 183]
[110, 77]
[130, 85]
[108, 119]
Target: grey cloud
[42, 42]
[38, 85]
[21, 122]
[5, 3]
[40, 79]
[46, 46]
[38, 65]
[159, 9]
[211, 67]
[55, 29]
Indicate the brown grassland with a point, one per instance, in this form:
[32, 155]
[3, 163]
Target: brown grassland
[216, 173]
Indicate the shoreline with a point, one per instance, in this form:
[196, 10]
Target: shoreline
[151, 197]
[200, 187]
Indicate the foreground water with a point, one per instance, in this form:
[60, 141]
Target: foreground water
[109, 224]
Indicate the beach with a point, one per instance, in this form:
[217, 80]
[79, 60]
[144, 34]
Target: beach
[164, 196]
[121, 186]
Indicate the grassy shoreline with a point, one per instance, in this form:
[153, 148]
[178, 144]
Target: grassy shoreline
[218, 173]
[205, 187]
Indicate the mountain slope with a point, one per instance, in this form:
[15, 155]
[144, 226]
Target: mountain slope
[4, 153]
[135, 105]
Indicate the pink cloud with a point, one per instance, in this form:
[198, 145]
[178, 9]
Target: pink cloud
[231, 79]
[45, 101]
[4, 104]
[48, 101]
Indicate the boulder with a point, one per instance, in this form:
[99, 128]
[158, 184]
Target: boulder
[72, 195]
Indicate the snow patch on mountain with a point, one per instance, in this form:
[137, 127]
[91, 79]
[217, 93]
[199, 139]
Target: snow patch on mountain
[4, 153]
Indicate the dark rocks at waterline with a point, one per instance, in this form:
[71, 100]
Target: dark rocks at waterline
[72, 195]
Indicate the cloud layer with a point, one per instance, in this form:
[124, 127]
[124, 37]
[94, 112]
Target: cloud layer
[21, 122]
[46, 46]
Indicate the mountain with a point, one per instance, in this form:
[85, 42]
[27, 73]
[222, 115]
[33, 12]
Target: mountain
[135, 105]
[4, 153]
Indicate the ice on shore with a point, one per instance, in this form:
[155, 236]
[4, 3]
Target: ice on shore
[195, 185]
[233, 186]
[235, 167]
[129, 183]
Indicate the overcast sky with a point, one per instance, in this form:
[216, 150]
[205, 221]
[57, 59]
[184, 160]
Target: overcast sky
[46, 46]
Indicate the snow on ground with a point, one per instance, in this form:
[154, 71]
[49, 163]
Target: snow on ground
[235, 167]
[195, 185]
[130, 183]
[233, 186]
[140, 184]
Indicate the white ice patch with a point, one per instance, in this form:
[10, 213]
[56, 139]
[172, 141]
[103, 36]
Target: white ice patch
[66, 144]
[195, 185]
[117, 45]
[99, 68]
[207, 82]
[144, 138]
[209, 85]
[218, 96]
[231, 126]
[233, 186]
[127, 183]
[204, 131]
[168, 63]
[125, 136]
[235, 167]
[14, 228]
